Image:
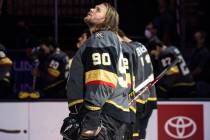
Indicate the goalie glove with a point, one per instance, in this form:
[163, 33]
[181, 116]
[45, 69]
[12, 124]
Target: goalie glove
[89, 134]
[71, 125]
[70, 128]
[91, 123]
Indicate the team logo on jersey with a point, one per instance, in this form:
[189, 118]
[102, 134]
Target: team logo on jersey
[99, 35]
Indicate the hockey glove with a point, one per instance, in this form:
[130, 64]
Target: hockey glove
[71, 125]
[91, 123]
[70, 128]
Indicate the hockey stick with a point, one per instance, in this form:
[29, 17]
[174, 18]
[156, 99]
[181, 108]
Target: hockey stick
[148, 83]
[36, 64]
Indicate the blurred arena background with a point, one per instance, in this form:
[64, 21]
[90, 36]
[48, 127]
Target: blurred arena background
[24, 22]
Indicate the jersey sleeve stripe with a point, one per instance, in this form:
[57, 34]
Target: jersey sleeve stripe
[132, 108]
[141, 101]
[101, 77]
[101, 83]
[184, 84]
[152, 99]
[93, 108]
[145, 101]
[72, 103]
[128, 77]
[118, 106]
[53, 72]
[135, 134]
[5, 62]
[173, 70]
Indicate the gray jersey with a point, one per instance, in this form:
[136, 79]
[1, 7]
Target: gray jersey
[128, 54]
[143, 70]
[98, 77]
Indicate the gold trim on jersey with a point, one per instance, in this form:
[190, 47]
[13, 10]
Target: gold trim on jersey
[93, 108]
[5, 61]
[145, 101]
[184, 84]
[75, 102]
[173, 70]
[136, 134]
[132, 94]
[54, 84]
[132, 108]
[101, 77]
[128, 78]
[118, 106]
[162, 88]
[152, 99]
[141, 101]
[53, 72]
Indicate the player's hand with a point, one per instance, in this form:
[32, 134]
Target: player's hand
[35, 72]
[70, 127]
[91, 124]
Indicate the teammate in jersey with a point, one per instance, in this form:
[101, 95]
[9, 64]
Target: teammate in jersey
[51, 67]
[81, 40]
[96, 88]
[178, 81]
[141, 70]
[5, 75]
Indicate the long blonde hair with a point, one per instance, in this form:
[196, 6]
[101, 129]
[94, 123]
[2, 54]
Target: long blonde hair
[111, 21]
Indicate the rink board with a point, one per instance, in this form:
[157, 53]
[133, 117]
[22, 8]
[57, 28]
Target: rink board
[184, 120]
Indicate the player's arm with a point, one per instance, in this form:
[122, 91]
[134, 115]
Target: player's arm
[4, 60]
[5, 64]
[57, 66]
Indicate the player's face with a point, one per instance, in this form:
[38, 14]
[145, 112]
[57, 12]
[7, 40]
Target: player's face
[156, 52]
[198, 37]
[96, 15]
[149, 31]
[45, 49]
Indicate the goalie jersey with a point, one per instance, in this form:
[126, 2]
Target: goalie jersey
[97, 77]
